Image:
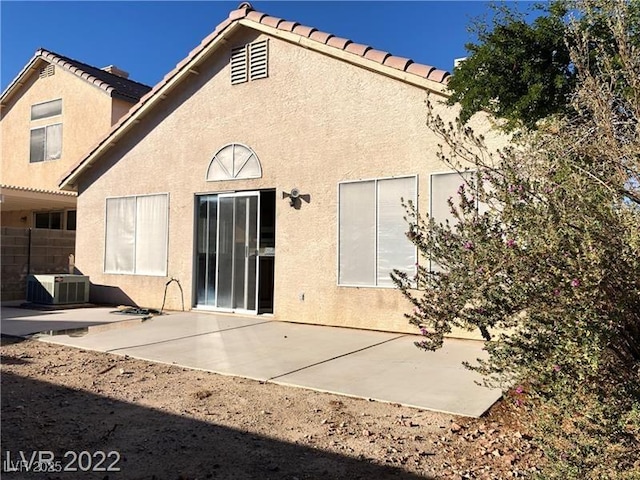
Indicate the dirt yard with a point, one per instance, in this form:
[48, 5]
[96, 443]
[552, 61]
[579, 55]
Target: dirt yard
[111, 417]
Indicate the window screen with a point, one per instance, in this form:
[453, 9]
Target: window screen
[372, 231]
[71, 220]
[357, 233]
[49, 220]
[37, 145]
[443, 187]
[136, 235]
[46, 109]
[395, 251]
[46, 143]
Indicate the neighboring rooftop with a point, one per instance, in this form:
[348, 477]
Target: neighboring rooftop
[116, 84]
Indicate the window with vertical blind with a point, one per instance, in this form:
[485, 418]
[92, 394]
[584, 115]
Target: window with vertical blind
[137, 235]
[372, 231]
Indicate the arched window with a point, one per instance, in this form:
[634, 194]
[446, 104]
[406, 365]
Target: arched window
[234, 162]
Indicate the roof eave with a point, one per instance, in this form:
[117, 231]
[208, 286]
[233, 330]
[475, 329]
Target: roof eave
[372, 65]
[206, 48]
[19, 80]
[69, 181]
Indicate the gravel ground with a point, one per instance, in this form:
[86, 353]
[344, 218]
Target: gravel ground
[112, 417]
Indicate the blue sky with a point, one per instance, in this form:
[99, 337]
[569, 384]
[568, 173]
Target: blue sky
[148, 38]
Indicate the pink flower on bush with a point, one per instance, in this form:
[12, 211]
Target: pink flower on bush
[511, 242]
[468, 245]
[575, 282]
[519, 389]
[557, 368]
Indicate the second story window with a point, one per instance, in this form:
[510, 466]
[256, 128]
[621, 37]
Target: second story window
[46, 131]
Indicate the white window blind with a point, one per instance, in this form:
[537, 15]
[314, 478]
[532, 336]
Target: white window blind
[395, 251]
[120, 235]
[136, 235]
[46, 109]
[357, 233]
[445, 186]
[151, 235]
[372, 231]
[53, 148]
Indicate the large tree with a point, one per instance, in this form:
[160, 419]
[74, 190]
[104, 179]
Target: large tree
[549, 269]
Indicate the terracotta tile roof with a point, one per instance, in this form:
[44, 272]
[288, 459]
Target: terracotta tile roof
[245, 10]
[116, 86]
[246, 15]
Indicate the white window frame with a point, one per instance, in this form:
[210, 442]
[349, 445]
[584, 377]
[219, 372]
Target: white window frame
[166, 260]
[234, 175]
[44, 153]
[43, 103]
[377, 206]
[433, 266]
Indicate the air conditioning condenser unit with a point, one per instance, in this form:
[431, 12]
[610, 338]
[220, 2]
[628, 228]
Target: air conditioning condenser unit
[57, 289]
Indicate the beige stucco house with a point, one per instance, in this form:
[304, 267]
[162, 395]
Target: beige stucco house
[51, 114]
[265, 173]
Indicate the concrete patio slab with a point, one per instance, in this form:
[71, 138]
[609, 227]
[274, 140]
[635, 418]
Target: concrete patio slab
[22, 322]
[262, 351]
[399, 372]
[156, 331]
[368, 364]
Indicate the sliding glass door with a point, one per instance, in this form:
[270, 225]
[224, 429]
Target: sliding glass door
[227, 251]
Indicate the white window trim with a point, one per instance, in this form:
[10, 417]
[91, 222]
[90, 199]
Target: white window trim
[435, 174]
[44, 127]
[104, 249]
[449, 172]
[230, 178]
[50, 116]
[375, 240]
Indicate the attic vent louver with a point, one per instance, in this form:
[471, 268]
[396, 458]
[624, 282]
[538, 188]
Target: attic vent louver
[47, 71]
[258, 56]
[239, 65]
[250, 62]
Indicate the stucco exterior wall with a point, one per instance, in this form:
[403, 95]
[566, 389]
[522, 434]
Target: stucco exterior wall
[86, 115]
[313, 123]
[118, 109]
